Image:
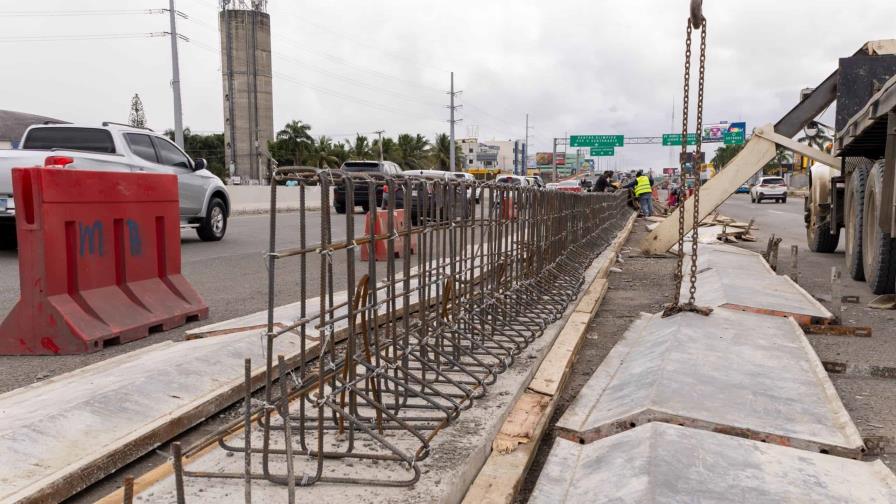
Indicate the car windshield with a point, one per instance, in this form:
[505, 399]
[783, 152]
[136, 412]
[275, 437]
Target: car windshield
[509, 180]
[361, 166]
[84, 139]
[773, 181]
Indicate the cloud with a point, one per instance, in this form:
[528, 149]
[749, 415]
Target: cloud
[575, 66]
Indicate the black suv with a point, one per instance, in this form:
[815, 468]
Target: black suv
[362, 195]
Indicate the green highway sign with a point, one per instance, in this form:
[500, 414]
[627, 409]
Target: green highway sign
[603, 151]
[672, 139]
[734, 137]
[596, 140]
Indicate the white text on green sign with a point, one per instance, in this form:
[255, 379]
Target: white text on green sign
[734, 137]
[603, 151]
[671, 139]
[596, 140]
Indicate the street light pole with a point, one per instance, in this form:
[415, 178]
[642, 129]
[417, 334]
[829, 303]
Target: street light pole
[380, 134]
[175, 80]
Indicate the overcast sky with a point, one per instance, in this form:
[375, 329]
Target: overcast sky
[576, 66]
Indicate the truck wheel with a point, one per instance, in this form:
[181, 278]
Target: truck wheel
[878, 254]
[818, 234]
[7, 236]
[214, 224]
[855, 213]
[340, 209]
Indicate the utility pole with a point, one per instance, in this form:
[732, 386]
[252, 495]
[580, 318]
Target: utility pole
[525, 167]
[175, 80]
[452, 146]
[554, 160]
[380, 134]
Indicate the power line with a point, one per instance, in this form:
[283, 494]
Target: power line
[104, 12]
[55, 38]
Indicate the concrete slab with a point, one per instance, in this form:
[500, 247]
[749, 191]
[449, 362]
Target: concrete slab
[62, 434]
[660, 463]
[741, 279]
[739, 373]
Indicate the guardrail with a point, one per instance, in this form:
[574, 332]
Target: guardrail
[413, 342]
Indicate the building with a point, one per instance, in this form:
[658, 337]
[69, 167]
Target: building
[13, 126]
[248, 92]
[491, 154]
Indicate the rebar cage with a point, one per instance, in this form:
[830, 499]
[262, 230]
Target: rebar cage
[411, 342]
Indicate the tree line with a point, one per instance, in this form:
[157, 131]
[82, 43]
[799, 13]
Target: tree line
[295, 146]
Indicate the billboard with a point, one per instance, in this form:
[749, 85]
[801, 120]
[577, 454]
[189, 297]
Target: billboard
[546, 158]
[715, 133]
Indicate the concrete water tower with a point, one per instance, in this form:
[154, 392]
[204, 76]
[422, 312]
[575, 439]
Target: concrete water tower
[248, 96]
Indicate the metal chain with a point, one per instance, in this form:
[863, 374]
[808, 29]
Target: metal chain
[679, 273]
[676, 305]
[693, 289]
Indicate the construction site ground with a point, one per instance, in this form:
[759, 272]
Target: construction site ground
[644, 284]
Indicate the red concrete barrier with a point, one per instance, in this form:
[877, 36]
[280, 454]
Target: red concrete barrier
[381, 226]
[99, 261]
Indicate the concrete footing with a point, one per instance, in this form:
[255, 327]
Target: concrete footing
[661, 463]
[753, 376]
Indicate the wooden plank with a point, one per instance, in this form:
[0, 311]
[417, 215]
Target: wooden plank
[756, 153]
[593, 297]
[521, 423]
[552, 373]
[500, 478]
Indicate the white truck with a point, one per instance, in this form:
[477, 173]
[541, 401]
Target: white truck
[204, 201]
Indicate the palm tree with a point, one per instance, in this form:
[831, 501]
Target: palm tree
[412, 151]
[441, 153]
[360, 148]
[390, 149]
[341, 153]
[296, 140]
[821, 138]
[725, 154]
[782, 157]
[321, 154]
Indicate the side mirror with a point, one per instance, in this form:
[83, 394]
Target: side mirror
[200, 164]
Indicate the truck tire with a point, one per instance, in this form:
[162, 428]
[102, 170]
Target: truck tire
[8, 236]
[340, 208]
[878, 254]
[854, 219]
[214, 224]
[818, 235]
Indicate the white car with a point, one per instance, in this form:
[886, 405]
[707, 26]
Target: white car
[204, 201]
[769, 188]
[516, 180]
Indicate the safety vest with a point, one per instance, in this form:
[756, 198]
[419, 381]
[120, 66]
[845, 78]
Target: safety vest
[643, 186]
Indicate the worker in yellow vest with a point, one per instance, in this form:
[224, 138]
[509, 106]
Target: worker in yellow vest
[642, 186]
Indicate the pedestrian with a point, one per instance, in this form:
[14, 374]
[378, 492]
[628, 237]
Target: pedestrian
[642, 186]
[603, 182]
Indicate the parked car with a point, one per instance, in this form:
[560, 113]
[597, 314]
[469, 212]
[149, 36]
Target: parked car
[436, 199]
[517, 180]
[769, 188]
[743, 189]
[361, 190]
[536, 181]
[204, 201]
[570, 186]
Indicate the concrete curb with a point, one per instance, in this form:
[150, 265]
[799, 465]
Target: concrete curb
[515, 445]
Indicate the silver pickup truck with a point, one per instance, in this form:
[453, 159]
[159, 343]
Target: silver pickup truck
[204, 202]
